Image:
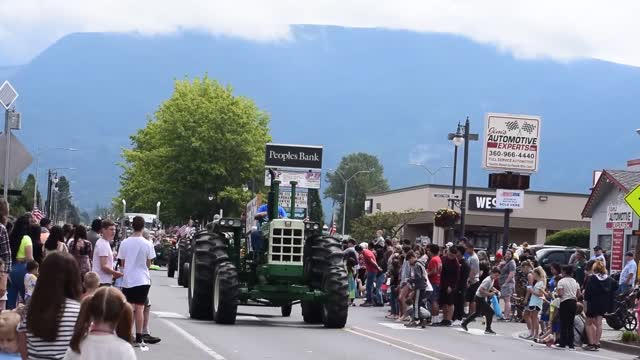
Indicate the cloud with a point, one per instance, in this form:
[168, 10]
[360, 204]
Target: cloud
[431, 155]
[562, 30]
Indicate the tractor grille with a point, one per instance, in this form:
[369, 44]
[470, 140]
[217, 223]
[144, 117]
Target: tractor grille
[287, 244]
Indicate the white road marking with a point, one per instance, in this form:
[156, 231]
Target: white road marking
[516, 336]
[168, 315]
[193, 340]
[392, 345]
[398, 326]
[408, 343]
[176, 286]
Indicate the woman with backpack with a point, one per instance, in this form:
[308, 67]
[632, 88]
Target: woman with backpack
[599, 294]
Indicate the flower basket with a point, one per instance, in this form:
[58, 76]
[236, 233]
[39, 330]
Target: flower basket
[446, 218]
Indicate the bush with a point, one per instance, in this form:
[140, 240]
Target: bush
[629, 337]
[578, 237]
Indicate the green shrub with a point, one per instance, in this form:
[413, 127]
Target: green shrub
[578, 237]
[629, 337]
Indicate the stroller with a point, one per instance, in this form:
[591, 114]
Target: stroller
[623, 314]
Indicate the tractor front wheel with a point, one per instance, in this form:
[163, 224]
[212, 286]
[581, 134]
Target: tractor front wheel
[311, 312]
[335, 309]
[225, 293]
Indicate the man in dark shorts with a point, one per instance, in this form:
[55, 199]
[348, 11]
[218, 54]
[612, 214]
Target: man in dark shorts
[135, 255]
[448, 285]
[473, 281]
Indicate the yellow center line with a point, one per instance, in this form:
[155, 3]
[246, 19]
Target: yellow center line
[409, 343]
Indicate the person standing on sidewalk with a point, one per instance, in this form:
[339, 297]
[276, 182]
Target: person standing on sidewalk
[568, 290]
[372, 267]
[135, 254]
[485, 291]
[628, 274]
[103, 255]
[420, 284]
[434, 268]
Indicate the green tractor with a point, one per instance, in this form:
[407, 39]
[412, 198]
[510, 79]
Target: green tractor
[295, 265]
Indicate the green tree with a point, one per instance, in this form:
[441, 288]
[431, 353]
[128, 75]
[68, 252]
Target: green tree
[202, 141]
[578, 237]
[358, 186]
[364, 228]
[315, 206]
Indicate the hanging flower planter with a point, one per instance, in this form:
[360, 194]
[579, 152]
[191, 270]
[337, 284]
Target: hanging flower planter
[446, 218]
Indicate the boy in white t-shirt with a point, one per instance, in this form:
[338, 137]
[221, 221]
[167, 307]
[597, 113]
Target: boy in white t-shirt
[103, 255]
[135, 254]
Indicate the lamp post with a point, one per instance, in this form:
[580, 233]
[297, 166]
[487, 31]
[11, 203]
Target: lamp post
[158, 212]
[124, 215]
[344, 199]
[37, 156]
[457, 141]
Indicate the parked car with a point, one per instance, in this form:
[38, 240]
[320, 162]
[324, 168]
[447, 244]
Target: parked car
[548, 255]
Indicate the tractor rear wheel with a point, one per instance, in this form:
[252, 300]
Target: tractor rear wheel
[225, 293]
[321, 253]
[209, 251]
[285, 310]
[311, 312]
[336, 307]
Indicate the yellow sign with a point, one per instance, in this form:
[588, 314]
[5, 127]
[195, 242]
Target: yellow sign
[633, 199]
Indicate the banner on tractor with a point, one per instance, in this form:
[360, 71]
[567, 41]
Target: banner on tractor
[306, 179]
[293, 156]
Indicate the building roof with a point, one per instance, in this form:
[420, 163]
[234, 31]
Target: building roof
[625, 180]
[470, 188]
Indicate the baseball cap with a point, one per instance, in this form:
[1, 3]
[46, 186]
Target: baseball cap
[597, 247]
[449, 244]
[629, 253]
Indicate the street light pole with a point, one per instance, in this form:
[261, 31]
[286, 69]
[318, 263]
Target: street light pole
[344, 199]
[463, 203]
[35, 185]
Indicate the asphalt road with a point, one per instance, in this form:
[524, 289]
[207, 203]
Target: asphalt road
[261, 333]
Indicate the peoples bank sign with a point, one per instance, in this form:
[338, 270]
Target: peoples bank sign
[293, 156]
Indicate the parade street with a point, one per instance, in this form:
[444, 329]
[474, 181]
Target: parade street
[261, 333]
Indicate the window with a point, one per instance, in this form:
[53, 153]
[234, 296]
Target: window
[557, 257]
[631, 243]
[605, 241]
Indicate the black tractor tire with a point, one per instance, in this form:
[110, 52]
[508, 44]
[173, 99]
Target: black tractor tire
[209, 251]
[321, 253]
[184, 256]
[285, 310]
[226, 291]
[335, 309]
[311, 312]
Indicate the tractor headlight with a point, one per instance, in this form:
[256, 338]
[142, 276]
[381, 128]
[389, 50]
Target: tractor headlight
[316, 226]
[223, 222]
[307, 226]
[230, 222]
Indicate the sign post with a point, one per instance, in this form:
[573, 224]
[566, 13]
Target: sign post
[7, 96]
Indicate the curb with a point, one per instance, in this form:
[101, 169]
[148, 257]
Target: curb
[620, 347]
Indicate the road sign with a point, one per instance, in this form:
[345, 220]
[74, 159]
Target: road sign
[19, 157]
[7, 94]
[509, 199]
[446, 196]
[511, 143]
[633, 200]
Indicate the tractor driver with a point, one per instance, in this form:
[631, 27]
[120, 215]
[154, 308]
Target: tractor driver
[263, 216]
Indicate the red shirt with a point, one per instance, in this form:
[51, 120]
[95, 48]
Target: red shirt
[370, 260]
[435, 263]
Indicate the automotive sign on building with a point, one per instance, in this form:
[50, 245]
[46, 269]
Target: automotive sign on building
[293, 156]
[619, 216]
[511, 143]
[509, 199]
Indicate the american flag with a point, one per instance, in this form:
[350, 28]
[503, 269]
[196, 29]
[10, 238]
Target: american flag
[333, 229]
[37, 214]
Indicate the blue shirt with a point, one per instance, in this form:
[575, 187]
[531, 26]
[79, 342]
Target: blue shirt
[281, 212]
